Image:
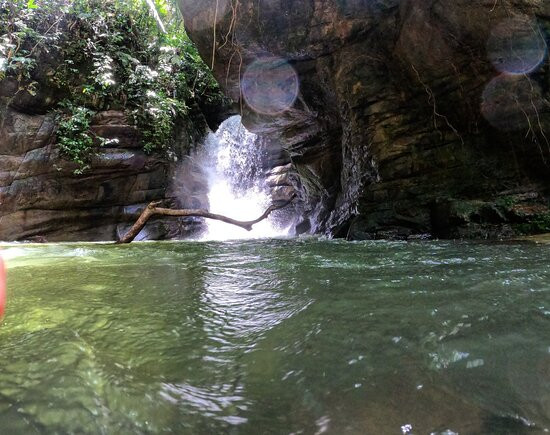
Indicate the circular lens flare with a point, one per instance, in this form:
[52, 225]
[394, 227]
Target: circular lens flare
[511, 103]
[270, 85]
[517, 46]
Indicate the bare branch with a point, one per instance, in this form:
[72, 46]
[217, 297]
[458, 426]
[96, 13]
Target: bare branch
[152, 210]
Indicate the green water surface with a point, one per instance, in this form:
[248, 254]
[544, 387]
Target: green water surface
[276, 336]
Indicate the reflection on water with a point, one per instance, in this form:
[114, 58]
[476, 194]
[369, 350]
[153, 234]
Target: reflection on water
[276, 336]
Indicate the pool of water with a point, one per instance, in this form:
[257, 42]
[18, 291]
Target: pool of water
[276, 336]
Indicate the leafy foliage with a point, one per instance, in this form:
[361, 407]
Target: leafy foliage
[537, 225]
[73, 137]
[102, 55]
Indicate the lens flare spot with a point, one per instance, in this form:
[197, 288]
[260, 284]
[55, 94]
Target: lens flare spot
[270, 85]
[517, 45]
[512, 103]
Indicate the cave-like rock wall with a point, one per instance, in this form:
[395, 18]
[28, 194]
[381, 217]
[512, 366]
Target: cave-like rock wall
[411, 118]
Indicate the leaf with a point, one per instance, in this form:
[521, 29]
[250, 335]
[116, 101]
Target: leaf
[31, 5]
[162, 7]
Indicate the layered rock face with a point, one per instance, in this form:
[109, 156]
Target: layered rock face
[42, 199]
[412, 116]
[97, 113]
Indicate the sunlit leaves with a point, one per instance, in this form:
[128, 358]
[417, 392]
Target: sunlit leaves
[103, 71]
[73, 136]
[106, 55]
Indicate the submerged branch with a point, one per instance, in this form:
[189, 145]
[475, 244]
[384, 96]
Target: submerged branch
[152, 210]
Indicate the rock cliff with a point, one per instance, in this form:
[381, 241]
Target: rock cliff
[98, 108]
[42, 199]
[410, 117]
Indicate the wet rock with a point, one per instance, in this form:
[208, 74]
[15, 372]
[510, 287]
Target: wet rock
[41, 197]
[403, 106]
[541, 239]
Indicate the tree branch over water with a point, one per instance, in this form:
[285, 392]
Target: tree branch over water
[153, 210]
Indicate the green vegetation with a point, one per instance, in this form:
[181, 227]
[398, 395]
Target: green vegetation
[506, 202]
[537, 225]
[100, 55]
[73, 137]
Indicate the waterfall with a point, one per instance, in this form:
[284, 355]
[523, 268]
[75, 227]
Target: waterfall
[232, 161]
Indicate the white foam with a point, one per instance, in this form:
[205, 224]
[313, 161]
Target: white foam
[232, 159]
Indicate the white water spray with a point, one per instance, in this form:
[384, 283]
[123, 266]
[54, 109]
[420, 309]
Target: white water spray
[232, 161]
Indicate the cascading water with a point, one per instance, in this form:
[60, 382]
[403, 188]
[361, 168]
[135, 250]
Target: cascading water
[232, 161]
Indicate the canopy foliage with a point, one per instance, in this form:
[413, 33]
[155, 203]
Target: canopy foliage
[101, 55]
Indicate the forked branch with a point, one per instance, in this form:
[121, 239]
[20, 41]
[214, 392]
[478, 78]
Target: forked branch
[152, 210]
